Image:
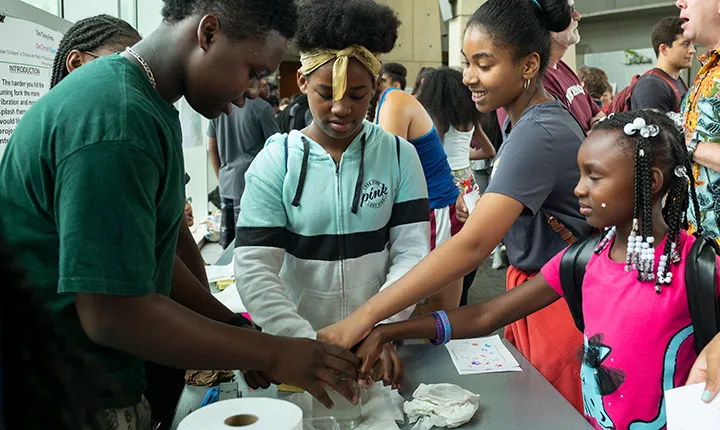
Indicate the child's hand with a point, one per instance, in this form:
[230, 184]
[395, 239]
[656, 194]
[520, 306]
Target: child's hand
[309, 365]
[257, 380]
[393, 369]
[368, 352]
[707, 369]
[461, 210]
[345, 334]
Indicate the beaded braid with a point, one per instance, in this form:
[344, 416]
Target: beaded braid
[88, 35]
[644, 249]
[653, 130]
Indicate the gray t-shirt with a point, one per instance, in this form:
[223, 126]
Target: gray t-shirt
[240, 137]
[654, 92]
[537, 166]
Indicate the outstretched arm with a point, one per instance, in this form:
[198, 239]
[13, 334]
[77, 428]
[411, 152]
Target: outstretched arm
[468, 321]
[489, 222]
[484, 149]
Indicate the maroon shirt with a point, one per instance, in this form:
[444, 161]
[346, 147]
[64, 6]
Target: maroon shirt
[565, 86]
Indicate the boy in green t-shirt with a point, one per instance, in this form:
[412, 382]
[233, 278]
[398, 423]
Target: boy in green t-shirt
[91, 190]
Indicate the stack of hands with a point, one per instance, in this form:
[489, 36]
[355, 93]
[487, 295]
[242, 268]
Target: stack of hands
[370, 348]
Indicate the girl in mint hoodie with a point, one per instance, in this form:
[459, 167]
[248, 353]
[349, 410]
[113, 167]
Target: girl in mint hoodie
[338, 211]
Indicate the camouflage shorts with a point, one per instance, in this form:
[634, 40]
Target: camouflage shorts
[133, 418]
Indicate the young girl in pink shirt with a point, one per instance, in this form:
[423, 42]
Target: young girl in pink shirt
[638, 330]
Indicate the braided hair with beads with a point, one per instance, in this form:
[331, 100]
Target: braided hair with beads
[89, 34]
[658, 141]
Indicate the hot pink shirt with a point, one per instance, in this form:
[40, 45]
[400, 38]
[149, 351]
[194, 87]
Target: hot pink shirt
[637, 343]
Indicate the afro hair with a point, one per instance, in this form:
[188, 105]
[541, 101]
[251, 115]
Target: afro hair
[336, 25]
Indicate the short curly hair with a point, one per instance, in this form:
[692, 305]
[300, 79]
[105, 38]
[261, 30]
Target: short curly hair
[595, 80]
[240, 19]
[666, 31]
[326, 24]
[438, 88]
[396, 72]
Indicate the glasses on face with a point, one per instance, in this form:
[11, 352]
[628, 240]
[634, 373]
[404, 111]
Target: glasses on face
[94, 55]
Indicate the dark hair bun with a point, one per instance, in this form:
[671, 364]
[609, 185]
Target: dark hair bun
[396, 69]
[522, 26]
[556, 14]
[327, 24]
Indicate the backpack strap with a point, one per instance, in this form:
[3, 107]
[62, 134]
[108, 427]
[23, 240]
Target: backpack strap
[700, 268]
[572, 272]
[670, 82]
[559, 228]
[286, 152]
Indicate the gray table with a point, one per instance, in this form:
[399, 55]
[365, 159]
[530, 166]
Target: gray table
[227, 255]
[512, 400]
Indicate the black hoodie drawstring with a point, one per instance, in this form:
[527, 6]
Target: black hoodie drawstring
[361, 175]
[303, 172]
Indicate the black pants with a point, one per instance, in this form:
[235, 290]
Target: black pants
[467, 283]
[230, 210]
[164, 388]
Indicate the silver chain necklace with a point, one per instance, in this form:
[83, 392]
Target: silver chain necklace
[145, 66]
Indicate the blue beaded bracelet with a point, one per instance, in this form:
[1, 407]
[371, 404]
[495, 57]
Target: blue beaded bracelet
[442, 322]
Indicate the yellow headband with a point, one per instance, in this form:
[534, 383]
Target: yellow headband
[312, 61]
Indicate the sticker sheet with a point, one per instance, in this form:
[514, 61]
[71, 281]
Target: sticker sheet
[482, 355]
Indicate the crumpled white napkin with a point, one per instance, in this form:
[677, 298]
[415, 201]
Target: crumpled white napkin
[382, 407]
[441, 405]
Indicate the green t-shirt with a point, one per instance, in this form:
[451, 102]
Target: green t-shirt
[91, 191]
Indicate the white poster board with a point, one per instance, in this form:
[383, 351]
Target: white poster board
[27, 51]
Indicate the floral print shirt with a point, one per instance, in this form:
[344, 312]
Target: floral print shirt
[701, 109]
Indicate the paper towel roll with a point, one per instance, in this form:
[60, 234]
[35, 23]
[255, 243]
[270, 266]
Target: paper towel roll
[253, 413]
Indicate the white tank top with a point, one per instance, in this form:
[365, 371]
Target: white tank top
[457, 147]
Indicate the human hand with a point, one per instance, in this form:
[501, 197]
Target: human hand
[255, 379]
[707, 369]
[392, 366]
[345, 334]
[461, 210]
[308, 364]
[369, 352]
[189, 214]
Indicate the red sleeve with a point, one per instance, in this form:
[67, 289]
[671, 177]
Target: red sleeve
[551, 273]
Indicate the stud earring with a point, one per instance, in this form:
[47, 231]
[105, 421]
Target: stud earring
[603, 205]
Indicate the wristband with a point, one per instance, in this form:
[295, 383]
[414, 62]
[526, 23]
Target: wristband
[440, 339]
[446, 326]
[444, 329]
